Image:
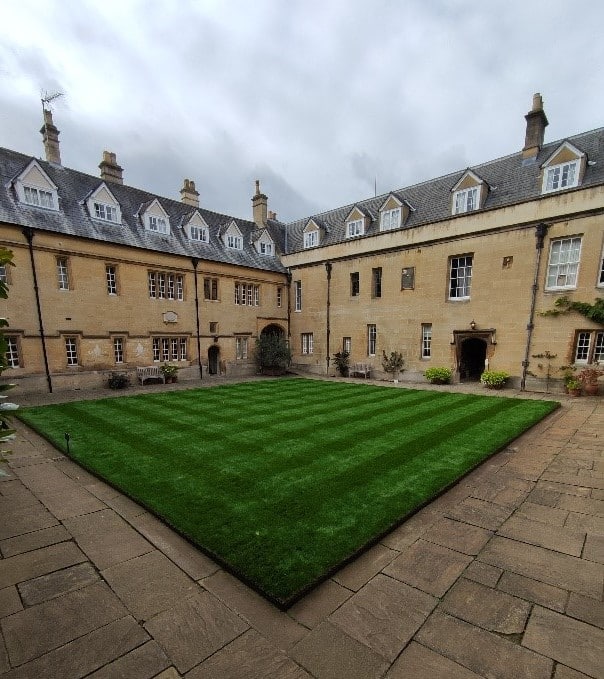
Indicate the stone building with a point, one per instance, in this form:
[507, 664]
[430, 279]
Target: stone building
[455, 271]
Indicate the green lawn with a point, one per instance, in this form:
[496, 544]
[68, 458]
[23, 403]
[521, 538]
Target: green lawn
[282, 480]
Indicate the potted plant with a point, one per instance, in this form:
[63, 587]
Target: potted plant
[273, 354]
[393, 364]
[118, 380]
[170, 372]
[573, 386]
[342, 361]
[494, 379]
[438, 375]
[589, 379]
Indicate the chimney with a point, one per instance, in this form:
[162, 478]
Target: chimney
[259, 207]
[188, 194]
[50, 134]
[110, 170]
[536, 122]
[272, 215]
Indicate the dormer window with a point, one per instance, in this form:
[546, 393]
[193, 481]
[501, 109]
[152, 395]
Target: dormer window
[34, 187]
[38, 197]
[390, 219]
[106, 212]
[199, 233]
[355, 228]
[562, 176]
[465, 200]
[157, 224]
[311, 239]
[564, 168]
[235, 242]
[266, 248]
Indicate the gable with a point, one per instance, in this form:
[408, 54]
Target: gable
[468, 180]
[34, 187]
[391, 203]
[311, 225]
[35, 176]
[103, 206]
[565, 153]
[103, 195]
[197, 220]
[156, 210]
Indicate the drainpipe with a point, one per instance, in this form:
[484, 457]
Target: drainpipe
[28, 232]
[289, 307]
[540, 233]
[328, 267]
[195, 262]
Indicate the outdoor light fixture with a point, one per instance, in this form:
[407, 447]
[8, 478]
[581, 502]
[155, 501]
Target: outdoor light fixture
[473, 325]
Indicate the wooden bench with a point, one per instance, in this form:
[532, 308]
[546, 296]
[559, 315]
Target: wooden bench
[361, 370]
[151, 372]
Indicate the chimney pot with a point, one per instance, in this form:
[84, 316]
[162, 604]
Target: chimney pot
[110, 170]
[188, 193]
[259, 207]
[50, 135]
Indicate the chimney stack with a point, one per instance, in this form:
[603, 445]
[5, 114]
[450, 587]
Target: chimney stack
[272, 215]
[50, 135]
[188, 194]
[536, 122]
[259, 207]
[110, 170]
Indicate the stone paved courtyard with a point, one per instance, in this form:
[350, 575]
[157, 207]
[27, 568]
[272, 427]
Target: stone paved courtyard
[501, 577]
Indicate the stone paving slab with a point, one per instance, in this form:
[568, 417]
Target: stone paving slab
[459, 536]
[144, 662]
[56, 584]
[533, 590]
[384, 615]
[321, 602]
[249, 656]
[30, 565]
[571, 642]
[355, 575]
[419, 662]
[195, 628]
[31, 541]
[542, 535]
[481, 513]
[10, 601]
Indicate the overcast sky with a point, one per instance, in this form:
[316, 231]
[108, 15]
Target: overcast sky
[317, 99]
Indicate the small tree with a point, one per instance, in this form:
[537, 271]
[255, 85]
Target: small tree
[272, 353]
[342, 361]
[393, 363]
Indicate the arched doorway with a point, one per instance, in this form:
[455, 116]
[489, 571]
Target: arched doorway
[213, 359]
[472, 356]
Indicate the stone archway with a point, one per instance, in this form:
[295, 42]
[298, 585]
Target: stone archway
[273, 329]
[472, 357]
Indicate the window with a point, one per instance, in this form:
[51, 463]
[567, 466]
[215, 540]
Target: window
[371, 339]
[561, 176]
[390, 219]
[307, 342]
[376, 282]
[241, 348]
[169, 349]
[465, 200]
[298, 296]
[4, 274]
[12, 352]
[235, 242]
[247, 294]
[38, 197]
[105, 212]
[62, 273]
[210, 288]
[408, 278]
[563, 264]
[355, 285]
[158, 224]
[266, 248]
[311, 239]
[426, 340]
[279, 296]
[213, 327]
[354, 228]
[347, 344]
[199, 233]
[111, 275]
[166, 285]
[71, 350]
[601, 279]
[118, 349]
[589, 346]
[460, 280]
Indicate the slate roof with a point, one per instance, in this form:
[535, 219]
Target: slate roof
[510, 179]
[73, 218]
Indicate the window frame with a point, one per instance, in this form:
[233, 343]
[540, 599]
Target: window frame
[63, 277]
[593, 349]
[408, 272]
[311, 239]
[355, 228]
[297, 296]
[36, 196]
[307, 343]
[199, 234]
[234, 242]
[426, 345]
[266, 249]
[158, 224]
[560, 265]
[13, 352]
[390, 219]
[106, 209]
[600, 283]
[210, 288]
[371, 339]
[465, 287]
[111, 279]
[279, 296]
[172, 348]
[355, 284]
[347, 345]
[71, 351]
[118, 350]
[376, 282]
[241, 348]
[463, 197]
[560, 181]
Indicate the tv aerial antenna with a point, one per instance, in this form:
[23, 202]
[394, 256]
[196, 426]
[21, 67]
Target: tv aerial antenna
[48, 97]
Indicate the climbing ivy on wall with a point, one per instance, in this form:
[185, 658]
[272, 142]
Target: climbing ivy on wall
[595, 311]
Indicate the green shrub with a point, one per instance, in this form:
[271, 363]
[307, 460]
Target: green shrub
[273, 352]
[494, 379]
[118, 381]
[438, 375]
[342, 361]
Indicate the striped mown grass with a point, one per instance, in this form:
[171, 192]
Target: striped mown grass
[284, 480]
